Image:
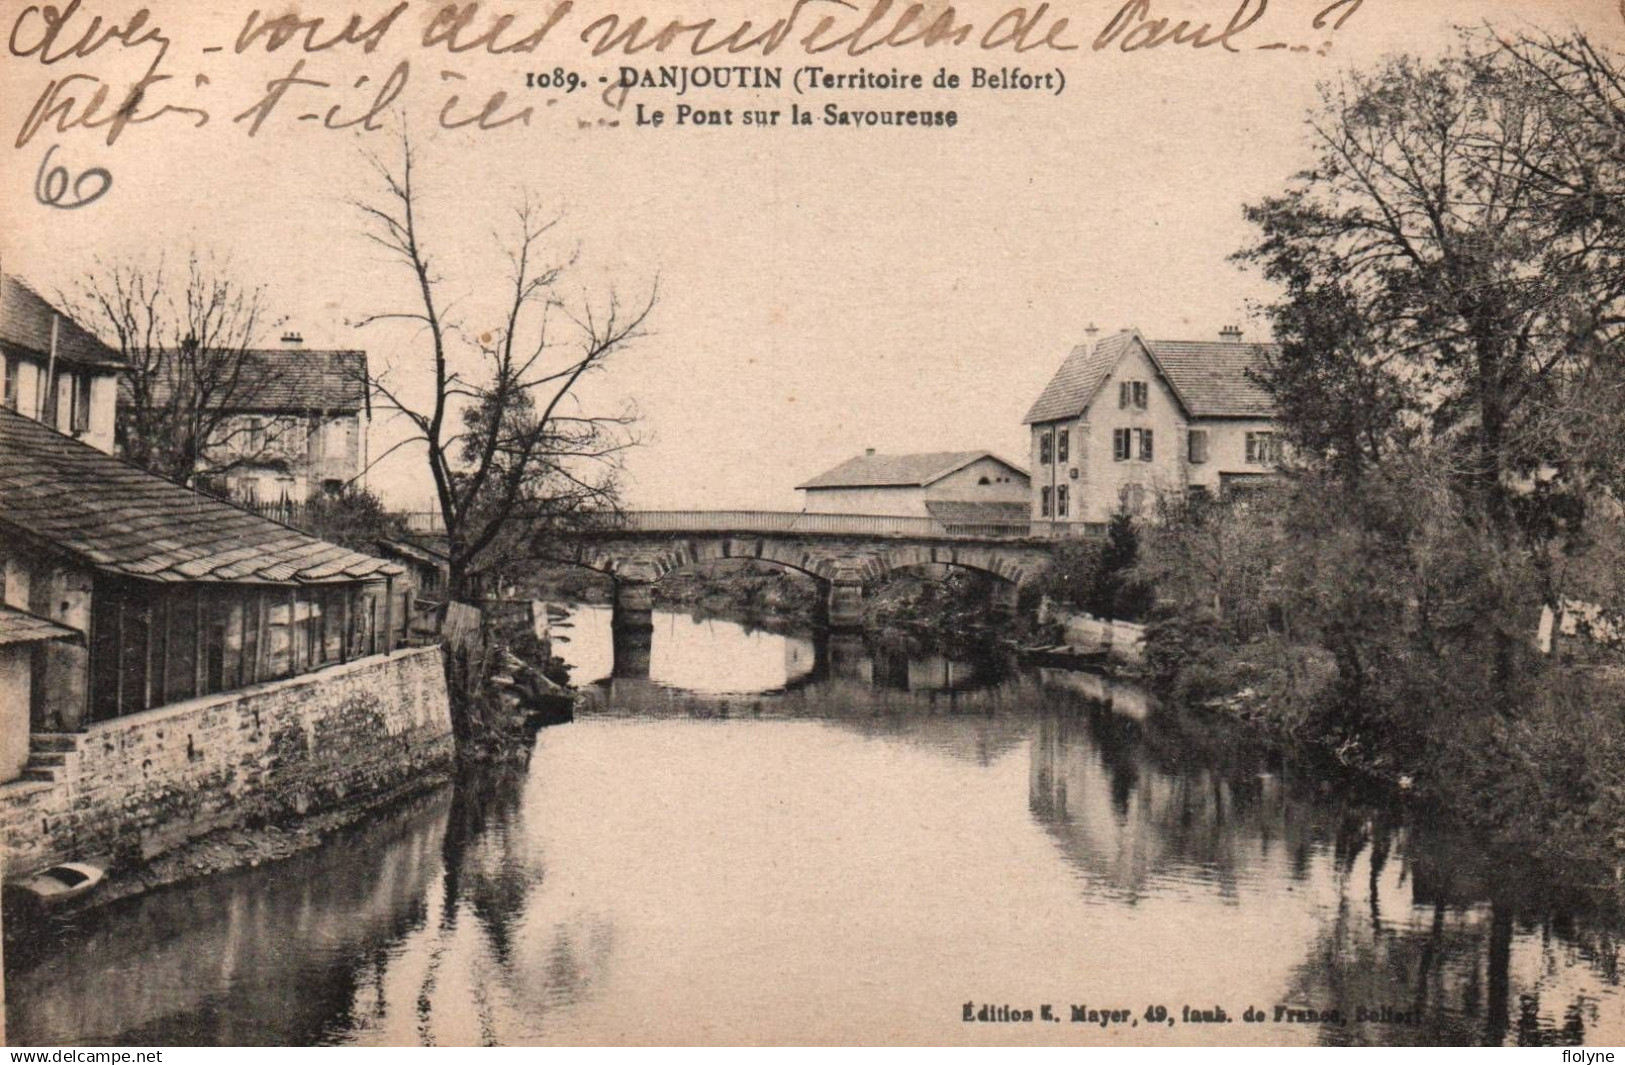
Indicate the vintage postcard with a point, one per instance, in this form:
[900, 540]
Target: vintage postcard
[579, 522]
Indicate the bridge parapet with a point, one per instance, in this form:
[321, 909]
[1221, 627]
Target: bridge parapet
[795, 523]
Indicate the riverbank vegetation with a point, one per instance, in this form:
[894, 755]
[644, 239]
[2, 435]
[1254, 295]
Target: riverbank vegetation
[1451, 383]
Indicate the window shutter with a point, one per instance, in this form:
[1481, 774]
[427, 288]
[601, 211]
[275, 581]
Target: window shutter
[1252, 447]
[1122, 394]
[1145, 445]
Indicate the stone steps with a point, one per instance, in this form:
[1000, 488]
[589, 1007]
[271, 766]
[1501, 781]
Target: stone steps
[48, 756]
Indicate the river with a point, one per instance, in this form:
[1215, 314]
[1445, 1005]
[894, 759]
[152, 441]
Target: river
[780, 838]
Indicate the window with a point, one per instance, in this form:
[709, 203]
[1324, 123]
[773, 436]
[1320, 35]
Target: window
[979, 480]
[1060, 501]
[80, 410]
[1062, 445]
[1044, 502]
[1136, 394]
[1133, 498]
[1198, 446]
[11, 382]
[254, 437]
[1131, 443]
[1263, 449]
[1043, 449]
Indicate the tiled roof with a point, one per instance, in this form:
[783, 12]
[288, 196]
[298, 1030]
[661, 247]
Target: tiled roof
[294, 380]
[1213, 378]
[900, 471]
[25, 322]
[1074, 385]
[973, 512]
[1210, 378]
[19, 626]
[416, 551]
[123, 520]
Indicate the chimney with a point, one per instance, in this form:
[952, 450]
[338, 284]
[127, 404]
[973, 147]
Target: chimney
[868, 451]
[292, 339]
[1091, 331]
[1231, 334]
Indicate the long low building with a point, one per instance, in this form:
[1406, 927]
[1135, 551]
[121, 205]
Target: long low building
[910, 485]
[189, 660]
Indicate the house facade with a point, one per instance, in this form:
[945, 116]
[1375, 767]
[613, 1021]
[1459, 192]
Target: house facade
[916, 485]
[54, 370]
[296, 426]
[1126, 418]
[189, 662]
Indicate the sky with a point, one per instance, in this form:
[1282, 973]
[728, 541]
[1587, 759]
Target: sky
[821, 290]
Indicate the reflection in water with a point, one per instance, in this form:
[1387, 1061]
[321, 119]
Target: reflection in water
[781, 818]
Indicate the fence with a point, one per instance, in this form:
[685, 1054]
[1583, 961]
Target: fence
[298, 515]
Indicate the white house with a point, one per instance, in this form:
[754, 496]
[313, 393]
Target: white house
[975, 487]
[1125, 417]
[296, 427]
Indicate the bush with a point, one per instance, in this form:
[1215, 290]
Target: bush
[1099, 576]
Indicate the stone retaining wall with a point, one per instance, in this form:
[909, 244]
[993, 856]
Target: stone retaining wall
[135, 786]
[1124, 640]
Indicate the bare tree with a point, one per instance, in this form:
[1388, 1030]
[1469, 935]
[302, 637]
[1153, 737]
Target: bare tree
[188, 339]
[510, 449]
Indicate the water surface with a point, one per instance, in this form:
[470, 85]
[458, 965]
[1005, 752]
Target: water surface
[785, 838]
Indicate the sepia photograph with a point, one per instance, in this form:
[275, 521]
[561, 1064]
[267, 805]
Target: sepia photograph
[578, 523]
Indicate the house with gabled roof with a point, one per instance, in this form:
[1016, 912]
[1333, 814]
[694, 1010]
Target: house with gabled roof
[188, 659]
[1126, 417]
[974, 487]
[55, 371]
[295, 425]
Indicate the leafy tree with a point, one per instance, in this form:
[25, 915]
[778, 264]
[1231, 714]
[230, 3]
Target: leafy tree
[1453, 269]
[1099, 576]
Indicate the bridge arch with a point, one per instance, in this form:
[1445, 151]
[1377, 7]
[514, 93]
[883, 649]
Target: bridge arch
[989, 560]
[682, 554]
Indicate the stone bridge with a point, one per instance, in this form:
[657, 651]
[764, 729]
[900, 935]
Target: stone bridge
[842, 552]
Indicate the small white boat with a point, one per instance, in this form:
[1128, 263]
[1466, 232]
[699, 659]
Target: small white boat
[62, 883]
